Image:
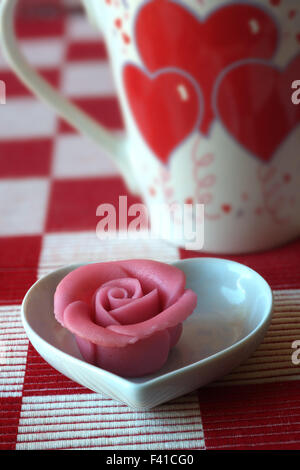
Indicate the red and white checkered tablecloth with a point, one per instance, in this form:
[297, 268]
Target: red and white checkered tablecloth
[51, 181]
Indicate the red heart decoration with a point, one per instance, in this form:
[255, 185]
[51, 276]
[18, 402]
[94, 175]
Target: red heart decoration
[168, 35]
[254, 103]
[165, 107]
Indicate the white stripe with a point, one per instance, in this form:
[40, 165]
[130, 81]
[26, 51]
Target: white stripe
[90, 398]
[48, 52]
[148, 443]
[26, 117]
[12, 373]
[32, 434]
[28, 197]
[107, 424]
[10, 394]
[272, 361]
[15, 332]
[60, 249]
[76, 156]
[79, 28]
[7, 381]
[106, 412]
[41, 53]
[80, 79]
[21, 360]
[286, 293]
[113, 442]
[83, 422]
[13, 352]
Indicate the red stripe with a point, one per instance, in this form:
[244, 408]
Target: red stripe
[268, 408]
[87, 50]
[280, 266]
[42, 386]
[39, 27]
[9, 428]
[105, 110]
[37, 19]
[18, 266]
[73, 203]
[16, 88]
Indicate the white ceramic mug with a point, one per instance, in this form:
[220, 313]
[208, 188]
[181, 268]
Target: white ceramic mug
[206, 94]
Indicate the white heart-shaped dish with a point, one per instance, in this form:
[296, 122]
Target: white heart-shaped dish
[233, 313]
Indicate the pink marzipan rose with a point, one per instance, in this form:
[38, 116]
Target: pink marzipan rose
[125, 315]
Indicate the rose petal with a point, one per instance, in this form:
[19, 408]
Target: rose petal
[138, 310]
[168, 318]
[127, 361]
[104, 301]
[175, 333]
[129, 286]
[101, 305]
[169, 280]
[117, 296]
[133, 311]
[78, 319]
[82, 283]
[74, 294]
[102, 308]
[87, 349]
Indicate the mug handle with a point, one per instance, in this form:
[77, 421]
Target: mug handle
[115, 146]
